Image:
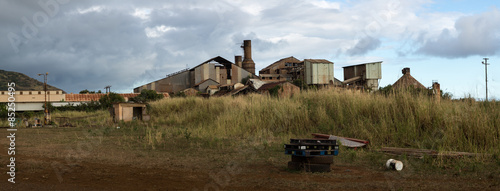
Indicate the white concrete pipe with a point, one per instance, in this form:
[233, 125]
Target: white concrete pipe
[394, 164]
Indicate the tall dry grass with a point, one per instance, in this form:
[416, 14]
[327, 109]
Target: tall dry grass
[400, 120]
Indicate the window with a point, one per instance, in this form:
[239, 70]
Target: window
[39, 92]
[48, 92]
[30, 93]
[3, 93]
[21, 93]
[57, 92]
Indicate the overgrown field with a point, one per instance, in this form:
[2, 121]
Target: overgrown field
[226, 125]
[400, 120]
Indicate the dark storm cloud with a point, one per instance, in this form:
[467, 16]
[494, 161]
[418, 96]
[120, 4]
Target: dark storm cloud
[364, 45]
[91, 44]
[476, 35]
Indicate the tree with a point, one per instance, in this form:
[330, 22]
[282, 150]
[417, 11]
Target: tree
[300, 83]
[108, 99]
[147, 95]
[85, 91]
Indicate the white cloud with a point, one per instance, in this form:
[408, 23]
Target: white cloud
[158, 31]
[90, 9]
[477, 34]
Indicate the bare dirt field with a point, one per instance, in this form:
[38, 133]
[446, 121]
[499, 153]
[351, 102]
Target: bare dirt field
[88, 159]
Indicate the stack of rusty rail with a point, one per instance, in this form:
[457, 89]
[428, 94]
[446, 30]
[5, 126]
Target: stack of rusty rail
[311, 155]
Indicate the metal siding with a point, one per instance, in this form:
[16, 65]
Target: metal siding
[374, 71]
[308, 72]
[217, 74]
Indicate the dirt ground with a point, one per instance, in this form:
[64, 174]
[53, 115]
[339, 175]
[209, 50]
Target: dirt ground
[62, 159]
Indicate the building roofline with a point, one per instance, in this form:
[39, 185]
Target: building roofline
[362, 64]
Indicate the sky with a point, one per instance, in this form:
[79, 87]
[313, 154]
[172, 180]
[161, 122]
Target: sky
[90, 44]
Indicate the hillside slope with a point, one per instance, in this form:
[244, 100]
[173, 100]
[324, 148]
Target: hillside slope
[23, 82]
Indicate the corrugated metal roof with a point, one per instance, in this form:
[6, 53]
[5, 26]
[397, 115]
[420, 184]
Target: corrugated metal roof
[361, 64]
[288, 59]
[317, 61]
[205, 81]
[256, 83]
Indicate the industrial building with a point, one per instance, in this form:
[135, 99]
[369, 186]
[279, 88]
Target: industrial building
[311, 71]
[215, 71]
[286, 69]
[365, 75]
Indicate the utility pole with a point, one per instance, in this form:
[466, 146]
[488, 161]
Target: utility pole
[485, 62]
[108, 89]
[46, 119]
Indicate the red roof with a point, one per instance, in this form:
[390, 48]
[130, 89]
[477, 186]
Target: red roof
[91, 97]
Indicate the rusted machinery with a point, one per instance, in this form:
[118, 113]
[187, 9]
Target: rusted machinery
[311, 155]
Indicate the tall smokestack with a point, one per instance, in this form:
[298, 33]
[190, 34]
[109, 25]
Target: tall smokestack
[237, 61]
[248, 63]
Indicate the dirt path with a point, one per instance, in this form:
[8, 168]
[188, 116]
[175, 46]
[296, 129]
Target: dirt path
[107, 176]
[114, 165]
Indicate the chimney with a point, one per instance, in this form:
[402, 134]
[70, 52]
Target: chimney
[436, 87]
[237, 61]
[406, 71]
[248, 63]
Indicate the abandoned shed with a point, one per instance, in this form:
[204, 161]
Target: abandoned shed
[203, 85]
[129, 111]
[407, 81]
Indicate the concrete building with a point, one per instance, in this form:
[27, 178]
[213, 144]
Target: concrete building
[365, 75]
[33, 100]
[129, 111]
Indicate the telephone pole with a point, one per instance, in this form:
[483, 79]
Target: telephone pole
[485, 62]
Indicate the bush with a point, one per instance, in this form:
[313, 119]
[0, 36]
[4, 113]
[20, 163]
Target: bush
[107, 100]
[147, 96]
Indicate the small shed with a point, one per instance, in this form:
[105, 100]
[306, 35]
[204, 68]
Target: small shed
[203, 85]
[129, 111]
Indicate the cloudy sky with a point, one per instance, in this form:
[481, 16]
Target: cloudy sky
[124, 43]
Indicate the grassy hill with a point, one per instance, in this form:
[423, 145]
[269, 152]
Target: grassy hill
[23, 82]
